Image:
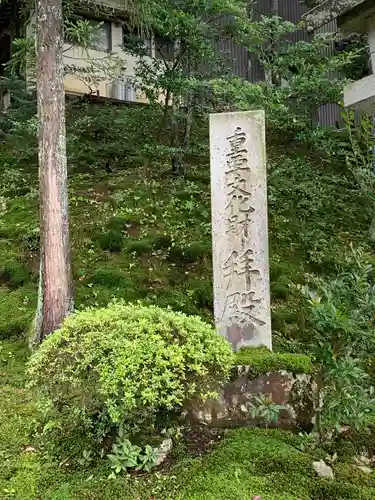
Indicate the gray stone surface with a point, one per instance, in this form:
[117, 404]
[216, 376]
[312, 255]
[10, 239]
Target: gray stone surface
[163, 451]
[233, 407]
[239, 228]
[327, 10]
[323, 470]
[361, 94]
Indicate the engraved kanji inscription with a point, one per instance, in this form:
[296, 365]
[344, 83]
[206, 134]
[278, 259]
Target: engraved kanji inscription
[237, 158]
[238, 264]
[239, 308]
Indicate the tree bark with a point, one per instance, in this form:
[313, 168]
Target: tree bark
[55, 297]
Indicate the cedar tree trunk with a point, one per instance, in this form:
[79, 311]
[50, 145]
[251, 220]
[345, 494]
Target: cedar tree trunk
[55, 297]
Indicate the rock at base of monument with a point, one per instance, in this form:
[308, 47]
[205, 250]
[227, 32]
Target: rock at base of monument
[297, 393]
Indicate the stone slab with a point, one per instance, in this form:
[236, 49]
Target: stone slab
[361, 94]
[240, 228]
[233, 407]
[328, 10]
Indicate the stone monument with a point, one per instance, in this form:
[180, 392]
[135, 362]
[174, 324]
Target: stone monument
[240, 229]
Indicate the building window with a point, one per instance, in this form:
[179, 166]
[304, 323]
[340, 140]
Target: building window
[164, 48]
[136, 40]
[101, 38]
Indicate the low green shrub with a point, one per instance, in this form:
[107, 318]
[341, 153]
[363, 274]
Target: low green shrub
[341, 324]
[110, 277]
[178, 300]
[118, 223]
[31, 240]
[280, 288]
[14, 275]
[189, 254]
[139, 247]
[112, 240]
[203, 293]
[124, 363]
[162, 241]
[261, 360]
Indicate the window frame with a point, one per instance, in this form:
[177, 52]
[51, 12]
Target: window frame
[148, 41]
[168, 44]
[106, 26]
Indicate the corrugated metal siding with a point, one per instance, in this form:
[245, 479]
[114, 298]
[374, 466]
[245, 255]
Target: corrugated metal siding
[245, 65]
[329, 115]
[293, 10]
[237, 57]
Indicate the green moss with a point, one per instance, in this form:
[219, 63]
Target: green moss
[350, 473]
[247, 463]
[14, 275]
[280, 288]
[139, 247]
[17, 309]
[111, 278]
[113, 241]
[189, 254]
[244, 464]
[354, 442]
[261, 360]
[162, 241]
[31, 240]
[118, 223]
[176, 300]
[325, 489]
[202, 292]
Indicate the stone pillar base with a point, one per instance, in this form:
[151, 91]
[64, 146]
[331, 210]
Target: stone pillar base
[233, 407]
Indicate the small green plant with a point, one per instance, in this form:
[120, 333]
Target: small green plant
[14, 275]
[86, 458]
[126, 455]
[31, 240]
[266, 409]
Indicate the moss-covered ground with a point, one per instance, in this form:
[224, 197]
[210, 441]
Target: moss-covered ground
[142, 234]
[243, 464]
[146, 235]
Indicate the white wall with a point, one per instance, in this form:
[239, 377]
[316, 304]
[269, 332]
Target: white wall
[74, 55]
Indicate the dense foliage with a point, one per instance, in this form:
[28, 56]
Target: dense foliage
[123, 363]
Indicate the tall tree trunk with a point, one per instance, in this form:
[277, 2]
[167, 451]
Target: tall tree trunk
[55, 298]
